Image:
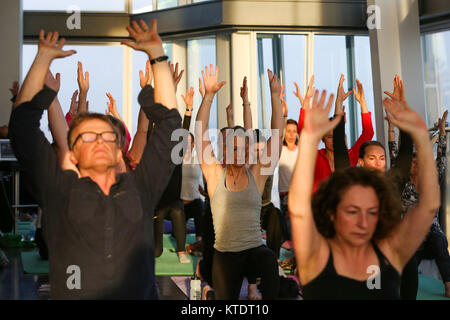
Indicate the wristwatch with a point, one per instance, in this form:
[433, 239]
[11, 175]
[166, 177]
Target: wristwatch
[158, 59]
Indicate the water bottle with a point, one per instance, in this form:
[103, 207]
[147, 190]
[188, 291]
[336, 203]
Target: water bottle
[196, 288]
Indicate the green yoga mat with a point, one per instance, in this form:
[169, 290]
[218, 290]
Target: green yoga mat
[33, 264]
[166, 265]
[431, 288]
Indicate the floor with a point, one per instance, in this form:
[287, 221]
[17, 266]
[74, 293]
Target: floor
[16, 285]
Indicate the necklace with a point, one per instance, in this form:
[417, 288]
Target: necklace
[237, 178]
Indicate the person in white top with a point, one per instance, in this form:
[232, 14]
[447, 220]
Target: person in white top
[194, 205]
[286, 166]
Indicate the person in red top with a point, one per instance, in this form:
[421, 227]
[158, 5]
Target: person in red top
[325, 157]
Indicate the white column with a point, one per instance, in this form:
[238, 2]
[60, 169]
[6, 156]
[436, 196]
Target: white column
[244, 58]
[11, 52]
[396, 49]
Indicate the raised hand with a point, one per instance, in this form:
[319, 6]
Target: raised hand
[210, 80]
[14, 88]
[175, 75]
[400, 114]
[50, 48]
[399, 89]
[442, 123]
[359, 95]
[144, 39]
[83, 80]
[283, 102]
[147, 79]
[341, 96]
[317, 122]
[244, 91]
[274, 83]
[189, 98]
[74, 103]
[52, 82]
[200, 88]
[304, 102]
[112, 106]
[230, 111]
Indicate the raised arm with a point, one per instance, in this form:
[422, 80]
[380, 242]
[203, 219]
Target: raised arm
[340, 150]
[208, 161]
[441, 160]
[189, 101]
[269, 160]
[308, 242]
[29, 143]
[49, 50]
[140, 137]
[248, 123]
[341, 97]
[401, 158]
[304, 102]
[148, 41]
[112, 110]
[58, 125]
[83, 85]
[366, 119]
[406, 238]
[176, 76]
[163, 112]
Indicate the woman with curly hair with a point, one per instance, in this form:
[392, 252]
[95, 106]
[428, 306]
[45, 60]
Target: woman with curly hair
[349, 238]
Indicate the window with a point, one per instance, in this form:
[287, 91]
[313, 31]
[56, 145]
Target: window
[200, 53]
[101, 61]
[265, 61]
[330, 61]
[436, 55]
[293, 48]
[84, 5]
[139, 61]
[363, 72]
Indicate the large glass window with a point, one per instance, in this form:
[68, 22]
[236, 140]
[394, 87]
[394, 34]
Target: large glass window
[84, 5]
[200, 53]
[363, 72]
[139, 60]
[265, 61]
[330, 61]
[436, 55]
[293, 50]
[284, 55]
[104, 63]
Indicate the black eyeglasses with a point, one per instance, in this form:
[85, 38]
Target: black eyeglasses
[107, 136]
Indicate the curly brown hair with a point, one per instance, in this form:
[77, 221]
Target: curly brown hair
[330, 192]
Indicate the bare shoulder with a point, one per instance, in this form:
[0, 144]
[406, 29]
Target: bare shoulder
[316, 263]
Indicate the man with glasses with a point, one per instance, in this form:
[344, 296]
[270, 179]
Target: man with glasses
[99, 224]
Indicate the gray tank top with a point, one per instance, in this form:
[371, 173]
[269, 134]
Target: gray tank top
[236, 216]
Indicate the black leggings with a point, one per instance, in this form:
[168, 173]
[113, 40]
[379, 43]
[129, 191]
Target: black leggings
[435, 247]
[208, 239]
[230, 268]
[175, 212]
[272, 222]
[195, 209]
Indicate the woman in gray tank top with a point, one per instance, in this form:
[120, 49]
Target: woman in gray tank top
[235, 192]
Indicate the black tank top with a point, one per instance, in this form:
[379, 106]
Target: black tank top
[328, 285]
